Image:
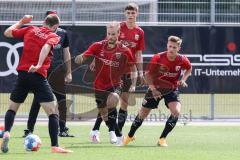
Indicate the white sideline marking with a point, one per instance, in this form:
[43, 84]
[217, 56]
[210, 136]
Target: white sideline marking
[161, 123]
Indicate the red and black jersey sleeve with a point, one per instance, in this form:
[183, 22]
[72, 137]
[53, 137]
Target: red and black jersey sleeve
[186, 63]
[141, 42]
[92, 50]
[19, 33]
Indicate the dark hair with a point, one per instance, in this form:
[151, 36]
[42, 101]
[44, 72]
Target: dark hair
[51, 20]
[50, 12]
[132, 6]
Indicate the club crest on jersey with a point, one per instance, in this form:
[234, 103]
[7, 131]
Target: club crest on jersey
[118, 55]
[177, 68]
[137, 37]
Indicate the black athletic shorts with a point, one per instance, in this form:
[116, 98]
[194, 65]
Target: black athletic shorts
[151, 103]
[31, 82]
[102, 95]
[127, 82]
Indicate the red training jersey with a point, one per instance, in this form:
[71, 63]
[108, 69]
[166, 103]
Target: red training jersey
[160, 67]
[110, 64]
[132, 38]
[34, 39]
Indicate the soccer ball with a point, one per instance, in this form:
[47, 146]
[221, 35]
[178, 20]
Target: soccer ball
[32, 142]
[1, 131]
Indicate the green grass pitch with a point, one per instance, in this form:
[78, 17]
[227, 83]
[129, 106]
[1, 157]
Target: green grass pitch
[185, 143]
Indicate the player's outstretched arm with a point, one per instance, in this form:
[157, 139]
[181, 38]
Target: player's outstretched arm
[26, 19]
[80, 59]
[43, 54]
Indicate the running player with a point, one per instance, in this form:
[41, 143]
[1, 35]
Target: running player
[164, 66]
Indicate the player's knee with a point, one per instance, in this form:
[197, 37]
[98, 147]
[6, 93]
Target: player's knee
[13, 106]
[143, 113]
[50, 107]
[104, 113]
[113, 100]
[176, 113]
[175, 108]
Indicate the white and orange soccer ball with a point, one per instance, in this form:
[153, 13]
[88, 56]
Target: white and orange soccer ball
[32, 143]
[1, 130]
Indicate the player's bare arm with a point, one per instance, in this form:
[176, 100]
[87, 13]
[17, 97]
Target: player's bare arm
[149, 80]
[185, 76]
[26, 19]
[139, 64]
[133, 78]
[43, 54]
[80, 59]
[67, 61]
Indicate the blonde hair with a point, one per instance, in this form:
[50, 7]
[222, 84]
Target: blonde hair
[113, 24]
[175, 39]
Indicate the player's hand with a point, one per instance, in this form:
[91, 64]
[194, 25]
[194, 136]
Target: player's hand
[182, 83]
[26, 19]
[92, 66]
[132, 88]
[156, 94]
[68, 78]
[78, 59]
[33, 68]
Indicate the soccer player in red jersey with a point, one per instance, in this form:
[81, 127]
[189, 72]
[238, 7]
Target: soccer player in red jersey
[132, 36]
[164, 66]
[32, 73]
[112, 60]
[59, 73]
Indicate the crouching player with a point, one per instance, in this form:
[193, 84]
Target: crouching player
[112, 60]
[164, 68]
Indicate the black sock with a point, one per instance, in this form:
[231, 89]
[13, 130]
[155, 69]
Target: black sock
[135, 125]
[110, 127]
[97, 122]
[61, 98]
[62, 125]
[122, 116]
[53, 129]
[112, 116]
[111, 122]
[33, 115]
[9, 119]
[170, 124]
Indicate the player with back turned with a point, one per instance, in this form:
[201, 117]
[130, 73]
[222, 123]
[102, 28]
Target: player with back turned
[32, 72]
[59, 73]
